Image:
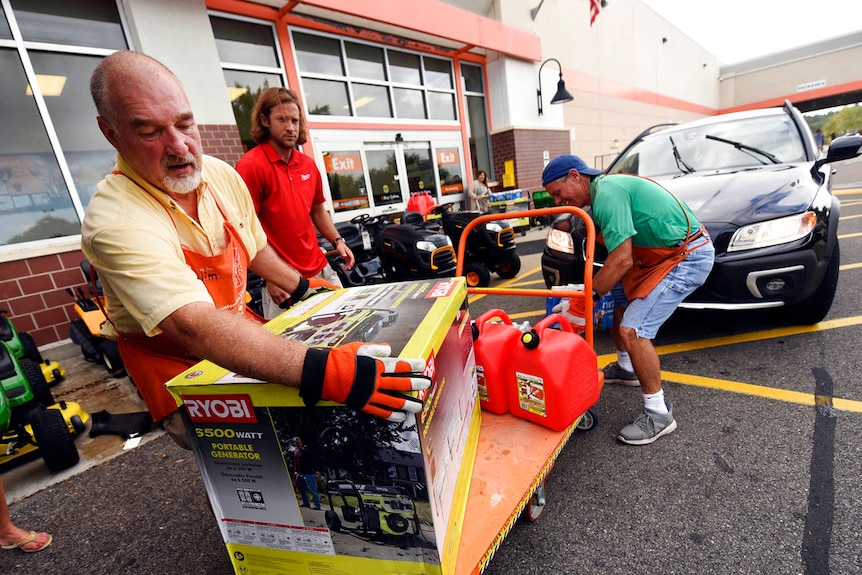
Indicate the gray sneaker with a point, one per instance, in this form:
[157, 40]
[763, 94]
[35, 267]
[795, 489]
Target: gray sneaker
[615, 374]
[648, 427]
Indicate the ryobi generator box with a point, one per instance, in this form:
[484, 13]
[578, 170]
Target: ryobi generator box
[390, 497]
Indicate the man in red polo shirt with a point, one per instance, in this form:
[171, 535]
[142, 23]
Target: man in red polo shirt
[287, 191]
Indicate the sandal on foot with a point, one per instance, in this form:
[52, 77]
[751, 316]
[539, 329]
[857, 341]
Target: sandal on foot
[32, 538]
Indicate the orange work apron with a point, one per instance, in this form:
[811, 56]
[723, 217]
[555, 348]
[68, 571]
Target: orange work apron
[152, 361]
[651, 265]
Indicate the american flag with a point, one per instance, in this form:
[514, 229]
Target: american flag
[595, 8]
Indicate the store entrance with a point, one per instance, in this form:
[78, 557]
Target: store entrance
[398, 169]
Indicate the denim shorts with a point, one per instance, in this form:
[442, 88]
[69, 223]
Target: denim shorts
[646, 315]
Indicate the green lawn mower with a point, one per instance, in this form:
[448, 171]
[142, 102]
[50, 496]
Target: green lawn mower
[22, 345]
[29, 418]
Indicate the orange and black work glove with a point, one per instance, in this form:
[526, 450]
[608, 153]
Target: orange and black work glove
[363, 376]
[306, 289]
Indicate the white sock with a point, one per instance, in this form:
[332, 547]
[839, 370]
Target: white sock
[624, 360]
[655, 402]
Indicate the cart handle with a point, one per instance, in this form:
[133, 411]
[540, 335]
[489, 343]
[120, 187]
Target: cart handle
[587, 294]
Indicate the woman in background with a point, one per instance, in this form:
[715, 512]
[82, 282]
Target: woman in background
[479, 192]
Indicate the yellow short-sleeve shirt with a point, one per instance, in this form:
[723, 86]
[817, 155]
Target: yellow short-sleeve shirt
[134, 234]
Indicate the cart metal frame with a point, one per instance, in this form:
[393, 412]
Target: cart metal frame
[499, 494]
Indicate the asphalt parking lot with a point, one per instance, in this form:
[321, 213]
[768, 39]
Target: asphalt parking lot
[760, 478]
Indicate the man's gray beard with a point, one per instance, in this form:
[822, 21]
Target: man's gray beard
[184, 184]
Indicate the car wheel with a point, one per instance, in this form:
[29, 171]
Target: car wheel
[56, 446]
[511, 268]
[477, 275]
[815, 308]
[36, 381]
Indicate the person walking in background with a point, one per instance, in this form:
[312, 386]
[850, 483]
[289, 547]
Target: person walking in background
[305, 465]
[479, 192]
[658, 253]
[287, 192]
[173, 232]
[12, 537]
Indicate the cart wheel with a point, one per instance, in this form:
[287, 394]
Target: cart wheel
[536, 505]
[588, 420]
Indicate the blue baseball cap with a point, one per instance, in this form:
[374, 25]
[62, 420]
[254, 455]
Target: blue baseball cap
[560, 166]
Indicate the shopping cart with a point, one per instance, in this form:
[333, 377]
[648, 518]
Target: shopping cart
[514, 456]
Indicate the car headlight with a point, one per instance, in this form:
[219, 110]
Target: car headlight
[772, 232]
[560, 241]
[497, 226]
[425, 246]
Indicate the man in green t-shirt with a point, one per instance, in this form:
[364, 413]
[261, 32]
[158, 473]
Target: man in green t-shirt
[658, 253]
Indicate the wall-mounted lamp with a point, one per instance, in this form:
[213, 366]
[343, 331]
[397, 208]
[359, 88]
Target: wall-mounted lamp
[399, 138]
[562, 96]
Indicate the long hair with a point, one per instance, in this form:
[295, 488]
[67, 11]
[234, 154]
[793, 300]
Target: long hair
[269, 99]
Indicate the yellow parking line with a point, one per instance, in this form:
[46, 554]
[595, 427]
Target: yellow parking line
[849, 267]
[848, 192]
[726, 385]
[842, 218]
[845, 236]
[759, 335]
[763, 391]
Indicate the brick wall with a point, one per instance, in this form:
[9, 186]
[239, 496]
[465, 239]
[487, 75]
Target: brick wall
[222, 141]
[34, 294]
[33, 291]
[525, 147]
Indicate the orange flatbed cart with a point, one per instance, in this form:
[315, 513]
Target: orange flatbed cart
[514, 456]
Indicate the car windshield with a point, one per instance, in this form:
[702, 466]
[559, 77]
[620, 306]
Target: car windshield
[730, 145]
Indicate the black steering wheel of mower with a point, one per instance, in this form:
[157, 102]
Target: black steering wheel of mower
[439, 209]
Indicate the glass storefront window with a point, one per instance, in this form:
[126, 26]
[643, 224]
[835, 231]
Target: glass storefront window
[477, 122]
[364, 61]
[5, 32]
[243, 90]
[244, 42]
[371, 101]
[383, 174]
[420, 170]
[246, 50]
[441, 106]
[346, 180]
[94, 23]
[35, 203]
[449, 171]
[438, 73]
[472, 76]
[409, 103]
[65, 84]
[318, 55]
[404, 68]
[383, 82]
[326, 98]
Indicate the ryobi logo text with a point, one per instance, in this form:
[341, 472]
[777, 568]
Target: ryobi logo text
[442, 289]
[220, 409]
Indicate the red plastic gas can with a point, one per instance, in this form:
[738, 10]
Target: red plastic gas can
[494, 344]
[556, 375]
